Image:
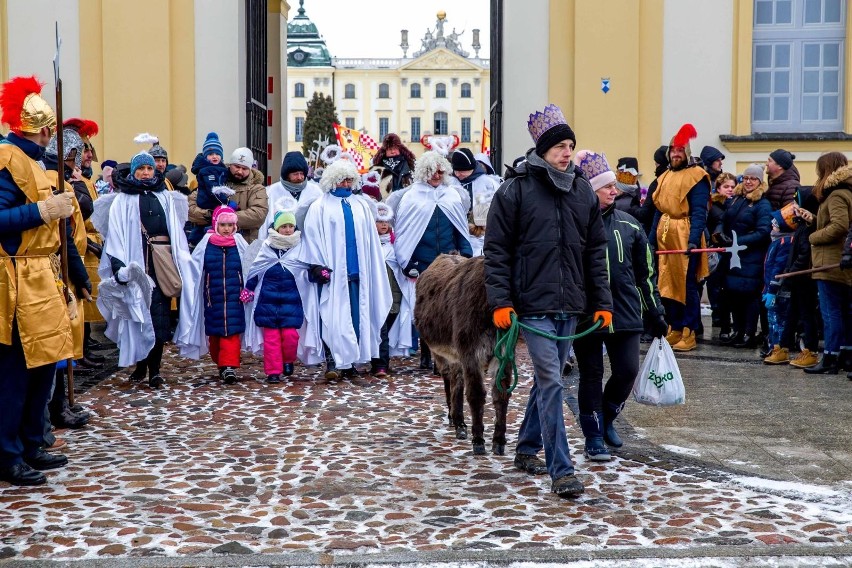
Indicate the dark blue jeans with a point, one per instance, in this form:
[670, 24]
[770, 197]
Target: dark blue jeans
[543, 425]
[834, 304]
[25, 393]
[688, 314]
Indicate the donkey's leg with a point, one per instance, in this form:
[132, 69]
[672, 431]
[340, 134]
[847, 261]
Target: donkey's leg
[500, 400]
[473, 380]
[444, 369]
[457, 401]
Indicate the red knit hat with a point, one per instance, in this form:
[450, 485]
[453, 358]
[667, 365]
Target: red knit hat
[223, 214]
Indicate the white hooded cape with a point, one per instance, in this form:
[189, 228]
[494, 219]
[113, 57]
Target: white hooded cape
[399, 335]
[279, 199]
[323, 239]
[120, 217]
[414, 211]
[190, 336]
[310, 348]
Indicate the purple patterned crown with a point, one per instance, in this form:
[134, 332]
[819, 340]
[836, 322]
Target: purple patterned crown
[595, 167]
[541, 122]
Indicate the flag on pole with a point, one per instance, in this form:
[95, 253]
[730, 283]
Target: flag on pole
[358, 144]
[486, 140]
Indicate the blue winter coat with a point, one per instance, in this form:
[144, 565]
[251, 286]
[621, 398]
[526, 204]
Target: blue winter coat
[751, 218]
[440, 237]
[16, 215]
[224, 314]
[777, 257]
[279, 304]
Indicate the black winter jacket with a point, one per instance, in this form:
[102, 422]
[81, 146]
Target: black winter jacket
[630, 266]
[545, 248]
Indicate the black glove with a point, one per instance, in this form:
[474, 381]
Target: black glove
[689, 247]
[846, 261]
[411, 272]
[321, 274]
[94, 248]
[659, 327]
[722, 239]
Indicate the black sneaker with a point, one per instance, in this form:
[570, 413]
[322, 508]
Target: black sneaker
[530, 464]
[567, 486]
[273, 379]
[229, 376]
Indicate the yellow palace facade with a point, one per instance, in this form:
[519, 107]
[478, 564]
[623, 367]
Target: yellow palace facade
[177, 69]
[751, 75]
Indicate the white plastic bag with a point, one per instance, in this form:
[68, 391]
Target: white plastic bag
[659, 382]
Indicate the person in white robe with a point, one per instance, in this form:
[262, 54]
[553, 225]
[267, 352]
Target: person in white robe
[342, 248]
[137, 312]
[294, 192]
[431, 219]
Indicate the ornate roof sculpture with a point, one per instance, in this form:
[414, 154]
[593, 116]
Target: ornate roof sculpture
[436, 39]
[305, 46]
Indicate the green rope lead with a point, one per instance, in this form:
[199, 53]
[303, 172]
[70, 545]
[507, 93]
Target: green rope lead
[507, 339]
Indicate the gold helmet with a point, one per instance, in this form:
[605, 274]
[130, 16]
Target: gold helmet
[23, 108]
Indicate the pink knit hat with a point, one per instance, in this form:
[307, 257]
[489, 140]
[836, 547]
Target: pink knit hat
[223, 214]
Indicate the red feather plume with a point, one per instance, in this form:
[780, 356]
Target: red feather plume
[12, 97]
[686, 133]
[86, 128]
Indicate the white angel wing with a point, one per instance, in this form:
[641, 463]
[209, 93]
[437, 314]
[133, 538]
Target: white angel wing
[100, 217]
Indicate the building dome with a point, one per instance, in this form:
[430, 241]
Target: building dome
[305, 46]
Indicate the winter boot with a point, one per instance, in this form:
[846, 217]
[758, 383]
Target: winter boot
[778, 356]
[687, 341]
[673, 336]
[140, 372]
[567, 486]
[828, 365]
[330, 367]
[806, 358]
[229, 375]
[610, 435]
[289, 369]
[594, 449]
[273, 379]
[844, 362]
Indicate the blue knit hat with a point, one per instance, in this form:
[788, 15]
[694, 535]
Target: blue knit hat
[141, 159]
[212, 145]
[293, 162]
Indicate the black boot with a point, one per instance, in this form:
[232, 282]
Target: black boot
[594, 448]
[425, 356]
[827, 365]
[732, 338]
[844, 362]
[610, 435]
[330, 367]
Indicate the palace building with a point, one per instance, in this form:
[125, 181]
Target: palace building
[441, 88]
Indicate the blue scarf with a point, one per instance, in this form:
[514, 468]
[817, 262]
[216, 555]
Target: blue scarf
[352, 268]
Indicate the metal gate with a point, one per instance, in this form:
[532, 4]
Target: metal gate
[256, 92]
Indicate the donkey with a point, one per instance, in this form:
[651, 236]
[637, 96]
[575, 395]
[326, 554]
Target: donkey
[452, 316]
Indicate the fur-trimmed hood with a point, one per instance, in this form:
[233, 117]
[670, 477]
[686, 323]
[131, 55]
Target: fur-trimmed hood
[430, 162]
[841, 176]
[336, 172]
[718, 198]
[755, 195]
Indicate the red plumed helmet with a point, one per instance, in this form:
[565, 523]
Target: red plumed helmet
[686, 133]
[86, 128]
[13, 94]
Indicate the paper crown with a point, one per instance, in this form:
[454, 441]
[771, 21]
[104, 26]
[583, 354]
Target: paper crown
[541, 122]
[595, 167]
[24, 110]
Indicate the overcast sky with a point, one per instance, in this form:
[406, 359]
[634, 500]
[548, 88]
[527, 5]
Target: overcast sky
[370, 28]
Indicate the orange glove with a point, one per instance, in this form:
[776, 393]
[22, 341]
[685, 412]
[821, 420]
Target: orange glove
[604, 316]
[503, 317]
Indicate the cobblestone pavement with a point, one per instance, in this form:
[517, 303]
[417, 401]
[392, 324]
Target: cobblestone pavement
[363, 466]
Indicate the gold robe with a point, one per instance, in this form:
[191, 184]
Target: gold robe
[91, 312]
[29, 295]
[673, 231]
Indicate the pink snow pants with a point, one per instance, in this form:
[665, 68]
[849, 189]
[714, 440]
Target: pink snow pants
[279, 347]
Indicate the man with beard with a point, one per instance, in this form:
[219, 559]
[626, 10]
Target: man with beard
[242, 195]
[783, 178]
[681, 198]
[481, 188]
[711, 159]
[396, 163]
[294, 191]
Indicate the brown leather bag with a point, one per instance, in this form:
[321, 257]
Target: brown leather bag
[168, 277]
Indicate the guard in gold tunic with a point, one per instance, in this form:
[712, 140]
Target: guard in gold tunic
[681, 200]
[35, 329]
